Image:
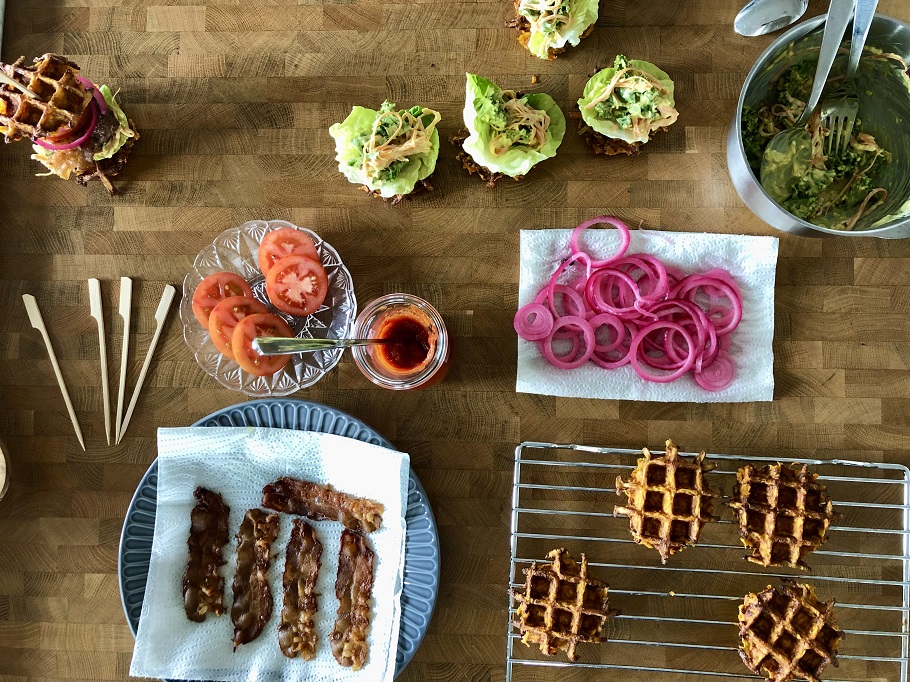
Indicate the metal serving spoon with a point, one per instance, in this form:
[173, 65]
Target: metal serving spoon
[789, 153]
[759, 17]
[279, 345]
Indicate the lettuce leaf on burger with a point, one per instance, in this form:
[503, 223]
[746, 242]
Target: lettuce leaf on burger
[389, 152]
[507, 133]
[547, 26]
[623, 106]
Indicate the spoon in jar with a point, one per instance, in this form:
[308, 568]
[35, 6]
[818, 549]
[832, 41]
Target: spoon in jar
[759, 17]
[279, 345]
[789, 153]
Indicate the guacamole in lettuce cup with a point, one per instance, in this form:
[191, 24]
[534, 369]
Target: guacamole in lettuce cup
[549, 25]
[508, 133]
[629, 101]
[387, 151]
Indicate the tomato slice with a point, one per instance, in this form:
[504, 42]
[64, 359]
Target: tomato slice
[285, 242]
[252, 327]
[225, 317]
[297, 285]
[213, 290]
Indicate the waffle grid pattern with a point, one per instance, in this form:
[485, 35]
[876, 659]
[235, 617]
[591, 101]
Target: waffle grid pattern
[783, 514]
[788, 633]
[561, 605]
[61, 98]
[668, 500]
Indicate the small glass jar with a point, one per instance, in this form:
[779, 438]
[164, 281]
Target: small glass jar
[4, 470]
[422, 356]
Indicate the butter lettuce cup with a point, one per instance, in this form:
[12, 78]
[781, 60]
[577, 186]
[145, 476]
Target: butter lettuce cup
[391, 153]
[547, 27]
[623, 107]
[506, 133]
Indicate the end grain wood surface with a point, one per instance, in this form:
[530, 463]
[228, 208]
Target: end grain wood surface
[233, 100]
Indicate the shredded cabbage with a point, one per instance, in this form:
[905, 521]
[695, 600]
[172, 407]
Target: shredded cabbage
[504, 144]
[385, 150]
[629, 101]
[61, 163]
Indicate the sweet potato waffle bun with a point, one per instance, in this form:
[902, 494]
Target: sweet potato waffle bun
[682, 617]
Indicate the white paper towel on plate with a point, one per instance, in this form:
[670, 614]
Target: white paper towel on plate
[751, 261]
[237, 463]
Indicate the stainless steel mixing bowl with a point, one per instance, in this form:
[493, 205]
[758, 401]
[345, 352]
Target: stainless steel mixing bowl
[885, 112]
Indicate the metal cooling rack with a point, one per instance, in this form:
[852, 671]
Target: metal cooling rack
[679, 621]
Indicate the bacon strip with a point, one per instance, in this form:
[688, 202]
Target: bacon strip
[354, 590]
[321, 502]
[297, 632]
[252, 595]
[203, 587]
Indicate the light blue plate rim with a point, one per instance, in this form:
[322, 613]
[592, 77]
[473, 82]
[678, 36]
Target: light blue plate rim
[421, 554]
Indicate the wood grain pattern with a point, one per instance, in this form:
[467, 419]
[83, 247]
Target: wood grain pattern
[233, 100]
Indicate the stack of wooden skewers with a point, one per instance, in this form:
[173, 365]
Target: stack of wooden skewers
[126, 297]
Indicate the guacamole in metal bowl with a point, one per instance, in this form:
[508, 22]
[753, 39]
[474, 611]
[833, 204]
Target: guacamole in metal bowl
[831, 190]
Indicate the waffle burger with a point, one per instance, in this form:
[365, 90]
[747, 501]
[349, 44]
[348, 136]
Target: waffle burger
[77, 129]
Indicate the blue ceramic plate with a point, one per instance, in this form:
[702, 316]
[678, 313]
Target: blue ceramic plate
[421, 553]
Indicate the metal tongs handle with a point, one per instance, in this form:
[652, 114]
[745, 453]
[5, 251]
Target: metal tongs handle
[279, 345]
[839, 15]
[862, 22]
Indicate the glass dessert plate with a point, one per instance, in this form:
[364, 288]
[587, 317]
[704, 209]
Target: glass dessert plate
[235, 250]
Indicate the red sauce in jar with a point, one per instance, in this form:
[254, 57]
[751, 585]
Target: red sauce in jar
[412, 343]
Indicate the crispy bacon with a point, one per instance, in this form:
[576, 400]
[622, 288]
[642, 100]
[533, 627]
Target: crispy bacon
[321, 502]
[354, 590]
[203, 587]
[252, 595]
[297, 632]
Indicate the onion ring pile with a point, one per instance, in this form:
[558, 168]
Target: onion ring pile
[631, 309]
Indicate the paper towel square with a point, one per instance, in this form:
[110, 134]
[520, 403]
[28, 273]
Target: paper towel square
[751, 261]
[237, 463]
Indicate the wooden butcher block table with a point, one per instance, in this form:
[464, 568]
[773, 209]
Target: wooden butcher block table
[233, 101]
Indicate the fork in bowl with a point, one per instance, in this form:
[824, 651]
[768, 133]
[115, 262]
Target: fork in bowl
[840, 109]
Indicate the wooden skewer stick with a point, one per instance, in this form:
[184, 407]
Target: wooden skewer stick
[94, 298]
[34, 316]
[16, 84]
[160, 316]
[126, 305]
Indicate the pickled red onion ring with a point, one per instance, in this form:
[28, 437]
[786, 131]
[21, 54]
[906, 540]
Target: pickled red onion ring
[607, 320]
[594, 293]
[546, 345]
[688, 288]
[661, 378]
[653, 269]
[660, 320]
[533, 322]
[571, 355]
[624, 235]
[54, 147]
[674, 275]
[601, 360]
[551, 294]
[718, 375]
[88, 85]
